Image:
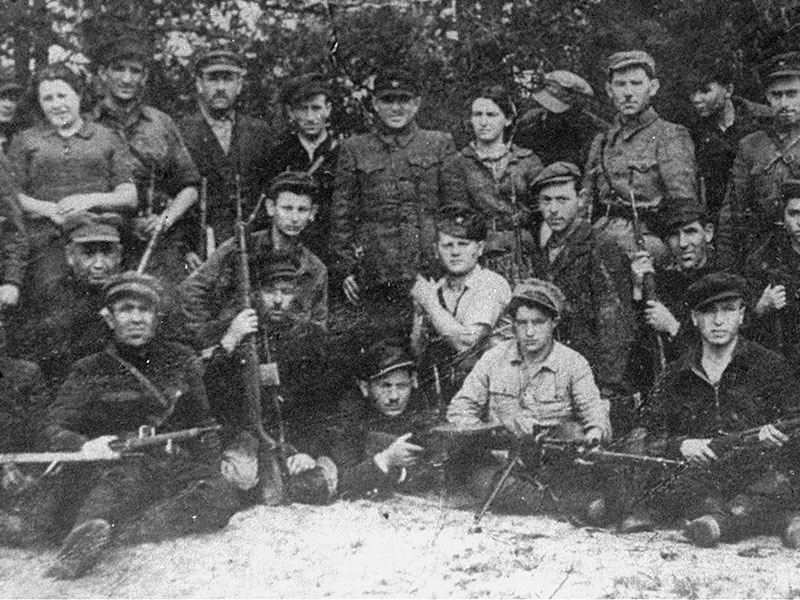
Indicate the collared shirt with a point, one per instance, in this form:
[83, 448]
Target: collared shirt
[481, 301]
[49, 167]
[221, 127]
[560, 389]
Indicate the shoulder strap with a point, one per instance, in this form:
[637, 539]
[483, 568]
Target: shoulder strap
[149, 386]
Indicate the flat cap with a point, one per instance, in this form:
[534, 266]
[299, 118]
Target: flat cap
[384, 357]
[561, 89]
[131, 283]
[297, 182]
[780, 65]
[220, 58]
[680, 212]
[395, 82]
[281, 269]
[715, 287]
[8, 81]
[461, 221]
[557, 172]
[540, 293]
[630, 58]
[90, 227]
[790, 188]
[304, 87]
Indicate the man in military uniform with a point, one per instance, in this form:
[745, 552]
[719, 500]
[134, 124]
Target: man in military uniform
[137, 380]
[592, 273]
[13, 240]
[765, 158]
[387, 190]
[309, 146]
[721, 120]
[641, 154]
[725, 383]
[224, 143]
[165, 175]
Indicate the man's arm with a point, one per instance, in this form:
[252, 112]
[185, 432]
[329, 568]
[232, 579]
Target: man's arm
[727, 235]
[344, 214]
[593, 410]
[469, 403]
[14, 251]
[676, 163]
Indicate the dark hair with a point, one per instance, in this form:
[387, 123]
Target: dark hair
[518, 302]
[706, 69]
[58, 72]
[500, 96]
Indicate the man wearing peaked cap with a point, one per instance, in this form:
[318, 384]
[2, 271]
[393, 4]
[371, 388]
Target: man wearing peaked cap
[764, 160]
[726, 383]
[640, 153]
[591, 271]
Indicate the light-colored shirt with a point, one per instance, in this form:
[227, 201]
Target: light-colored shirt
[481, 301]
[561, 388]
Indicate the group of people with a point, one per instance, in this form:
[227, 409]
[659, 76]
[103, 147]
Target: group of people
[386, 283]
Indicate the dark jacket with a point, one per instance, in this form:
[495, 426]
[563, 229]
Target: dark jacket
[13, 237]
[23, 398]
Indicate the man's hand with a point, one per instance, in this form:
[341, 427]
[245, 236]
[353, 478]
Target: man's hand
[697, 451]
[245, 323]
[9, 295]
[99, 448]
[401, 453]
[594, 435]
[351, 290]
[660, 318]
[772, 436]
[772, 298]
[297, 463]
[424, 292]
[192, 260]
[641, 264]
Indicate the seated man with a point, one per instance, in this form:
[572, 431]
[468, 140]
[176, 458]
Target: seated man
[725, 383]
[137, 380]
[530, 384]
[457, 313]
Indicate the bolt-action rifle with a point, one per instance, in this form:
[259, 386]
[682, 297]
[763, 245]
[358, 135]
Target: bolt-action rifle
[208, 242]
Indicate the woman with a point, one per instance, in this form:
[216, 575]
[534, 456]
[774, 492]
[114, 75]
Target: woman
[66, 166]
[493, 175]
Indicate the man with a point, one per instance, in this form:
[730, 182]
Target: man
[137, 380]
[725, 383]
[592, 273]
[165, 175]
[721, 120]
[10, 96]
[13, 241]
[641, 153]
[387, 189]
[457, 313]
[224, 143]
[764, 159]
[774, 268]
[309, 146]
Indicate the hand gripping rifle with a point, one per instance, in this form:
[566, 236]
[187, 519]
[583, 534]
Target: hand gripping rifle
[208, 242]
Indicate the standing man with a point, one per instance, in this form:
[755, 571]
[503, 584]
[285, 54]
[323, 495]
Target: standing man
[224, 143]
[387, 192]
[753, 207]
[13, 240]
[641, 154]
[309, 146]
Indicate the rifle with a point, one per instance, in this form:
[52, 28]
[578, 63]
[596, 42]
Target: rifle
[208, 242]
[151, 244]
[150, 194]
[519, 257]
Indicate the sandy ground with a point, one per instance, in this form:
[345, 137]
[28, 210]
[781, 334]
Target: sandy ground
[412, 547]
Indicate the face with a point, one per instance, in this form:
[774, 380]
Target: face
[689, 244]
[94, 262]
[218, 90]
[291, 213]
[60, 103]
[390, 393]
[560, 205]
[719, 322]
[278, 297]
[311, 116]
[783, 95]
[458, 255]
[396, 110]
[488, 120]
[710, 99]
[124, 79]
[9, 102]
[134, 320]
[631, 90]
[791, 220]
[534, 329]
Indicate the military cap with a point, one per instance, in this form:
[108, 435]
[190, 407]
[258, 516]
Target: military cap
[399, 83]
[304, 87]
[560, 91]
[91, 227]
[131, 283]
[461, 221]
[631, 58]
[540, 293]
[283, 268]
[557, 172]
[298, 182]
[110, 38]
[220, 57]
[715, 287]
[781, 65]
[384, 357]
[790, 189]
[8, 81]
[680, 212]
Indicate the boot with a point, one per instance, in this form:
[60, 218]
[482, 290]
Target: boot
[791, 533]
[81, 550]
[704, 531]
[638, 520]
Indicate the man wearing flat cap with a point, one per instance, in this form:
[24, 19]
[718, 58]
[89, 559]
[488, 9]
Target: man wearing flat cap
[386, 193]
[641, 154]
[591, 271]
[725, 383]
[753, 208]
[223, 143]
[139, 379]
[309, 146]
